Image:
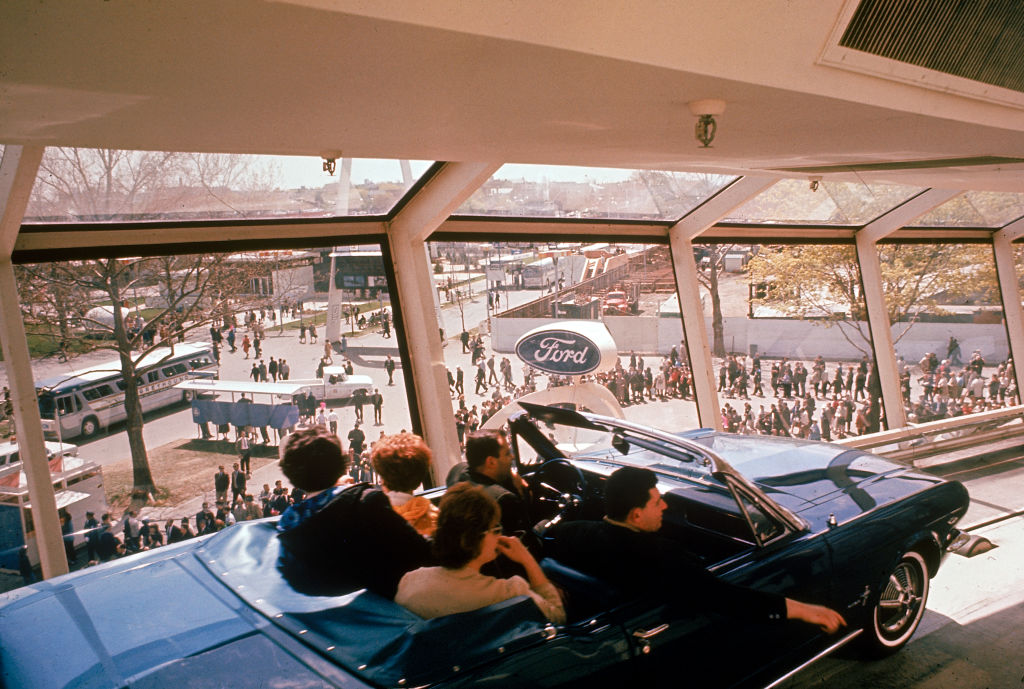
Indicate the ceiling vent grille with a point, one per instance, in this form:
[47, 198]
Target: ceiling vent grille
[981, 40]
[972, 48]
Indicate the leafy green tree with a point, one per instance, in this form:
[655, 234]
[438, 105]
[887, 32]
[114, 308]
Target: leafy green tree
[822, 283]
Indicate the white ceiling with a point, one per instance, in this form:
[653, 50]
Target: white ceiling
[568, 82]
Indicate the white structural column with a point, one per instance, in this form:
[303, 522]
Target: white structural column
[1006, 270]
[695, 333]
[407, 234]
[17, 175]
[874, 299]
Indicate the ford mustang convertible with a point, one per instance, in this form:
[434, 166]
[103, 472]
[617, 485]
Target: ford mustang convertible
[812, 521]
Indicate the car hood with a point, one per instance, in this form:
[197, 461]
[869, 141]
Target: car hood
[801, 475]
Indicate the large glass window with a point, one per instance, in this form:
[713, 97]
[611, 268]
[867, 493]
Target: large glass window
[1018, 254]
[556, 191]
[497, 292]
[792, 349]
[975, 209]
[269, 316]
[101, 185]
[796, 201]
[947, 325]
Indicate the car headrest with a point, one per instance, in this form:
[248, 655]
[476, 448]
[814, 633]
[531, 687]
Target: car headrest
[586, 595]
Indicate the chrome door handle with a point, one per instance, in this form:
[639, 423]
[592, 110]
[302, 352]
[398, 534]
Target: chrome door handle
[648, 633]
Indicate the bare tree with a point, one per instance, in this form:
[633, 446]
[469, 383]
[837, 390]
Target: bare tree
[59, 299]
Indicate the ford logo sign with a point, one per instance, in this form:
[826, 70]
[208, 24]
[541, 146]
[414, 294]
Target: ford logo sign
[561, 352]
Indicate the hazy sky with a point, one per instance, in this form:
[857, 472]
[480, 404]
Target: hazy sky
[307, 171]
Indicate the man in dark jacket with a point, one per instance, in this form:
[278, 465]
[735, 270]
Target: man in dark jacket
[221, 483]
[626, 551]
[237, 482]
[340, 538]
[489, 465]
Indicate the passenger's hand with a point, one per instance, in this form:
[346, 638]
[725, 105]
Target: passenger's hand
[512, 548]
[521, 486]
[827, 619]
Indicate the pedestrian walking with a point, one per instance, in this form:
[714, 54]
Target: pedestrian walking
[246, 344]
[389, 367]
[245, 453]
[358, 400]
[356, 440]
[238, 480]
[377, 400]
[312, 333]
[302, 333]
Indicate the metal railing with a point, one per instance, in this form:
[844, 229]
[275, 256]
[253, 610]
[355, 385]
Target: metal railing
[947, 440]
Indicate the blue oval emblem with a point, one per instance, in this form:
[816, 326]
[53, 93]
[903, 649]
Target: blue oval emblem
[561, 352]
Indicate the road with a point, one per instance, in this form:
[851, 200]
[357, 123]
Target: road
[368, 352]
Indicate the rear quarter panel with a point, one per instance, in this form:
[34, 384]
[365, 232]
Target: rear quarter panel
[874, 530]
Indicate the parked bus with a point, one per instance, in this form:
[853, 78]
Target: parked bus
[539, 274]
[89, 400]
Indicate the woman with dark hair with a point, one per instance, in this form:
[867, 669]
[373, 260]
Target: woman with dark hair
[469, 536]
[337, 538]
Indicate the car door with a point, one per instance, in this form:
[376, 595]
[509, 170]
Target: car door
[589, 653]
[722, 650]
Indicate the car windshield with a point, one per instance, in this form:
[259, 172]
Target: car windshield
[618, 445]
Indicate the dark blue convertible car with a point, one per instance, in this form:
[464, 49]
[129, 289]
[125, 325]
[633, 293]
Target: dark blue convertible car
[813, 521]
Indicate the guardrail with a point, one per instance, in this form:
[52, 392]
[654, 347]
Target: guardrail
[947, 440]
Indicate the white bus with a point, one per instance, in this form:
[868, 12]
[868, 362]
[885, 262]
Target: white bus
[539, 274]
[89, 400]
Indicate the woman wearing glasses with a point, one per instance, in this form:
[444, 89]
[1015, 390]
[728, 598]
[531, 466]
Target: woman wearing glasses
[469, 536]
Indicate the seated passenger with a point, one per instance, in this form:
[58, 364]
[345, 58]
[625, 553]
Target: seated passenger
[489, 465]
[338, 539]
[626, 551]
[467, 537]
[402, 462]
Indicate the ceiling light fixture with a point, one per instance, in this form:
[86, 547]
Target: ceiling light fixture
[705, 110]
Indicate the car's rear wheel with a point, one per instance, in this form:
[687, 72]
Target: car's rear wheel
[900, 606]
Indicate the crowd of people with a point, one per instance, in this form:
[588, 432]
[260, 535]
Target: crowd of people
[813, 399]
